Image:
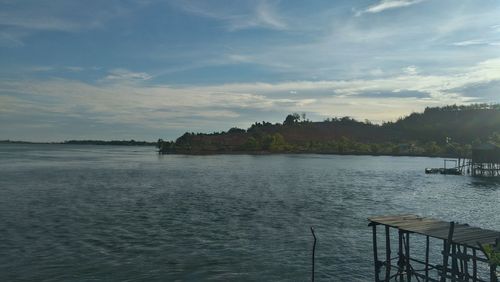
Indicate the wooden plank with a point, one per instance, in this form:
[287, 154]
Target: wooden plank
[396, 223]
[476, 236]
[483, 240]
[388, 217]
[392, 220]
[422, 224]
[437, 230]
[464, 234]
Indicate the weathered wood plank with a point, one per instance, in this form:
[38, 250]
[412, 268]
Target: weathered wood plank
[463, 234]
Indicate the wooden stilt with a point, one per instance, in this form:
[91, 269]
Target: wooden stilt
[407, 256]
[400, 257]
[387, 254]
[446, 253]
[454, 263]
[474, 265]
[426, 258]
[493, 267]
[493, 275]
[465, 270]
[375, 253]
[460, 261]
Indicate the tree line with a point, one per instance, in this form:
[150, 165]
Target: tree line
[438, 131]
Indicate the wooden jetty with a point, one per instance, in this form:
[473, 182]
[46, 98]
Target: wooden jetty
[484, 160]
[462, 258]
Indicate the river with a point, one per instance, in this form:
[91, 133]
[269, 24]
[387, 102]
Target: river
[111, 213]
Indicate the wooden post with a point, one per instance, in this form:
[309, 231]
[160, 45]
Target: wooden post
[465, 265]
[446, 253]
[387, 254]
[313, 254]
[407, 256]
[375, 253]
[400, 257]
[493, 267]
[474, 265]
[427, 258]
[454, 263]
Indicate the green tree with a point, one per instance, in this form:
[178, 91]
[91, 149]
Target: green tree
[251, 144]
[278, 143]
[432, 148]
[291, 119]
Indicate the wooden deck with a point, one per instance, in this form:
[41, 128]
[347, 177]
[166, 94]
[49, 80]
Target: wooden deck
[463, 234]
[461, 254]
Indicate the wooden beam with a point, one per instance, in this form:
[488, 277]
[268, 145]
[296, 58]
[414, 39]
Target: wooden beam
[375, 253]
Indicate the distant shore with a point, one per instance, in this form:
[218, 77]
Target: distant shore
[265, 153]
[87, 142]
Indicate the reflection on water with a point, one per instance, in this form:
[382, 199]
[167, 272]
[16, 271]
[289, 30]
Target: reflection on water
[99, 213]
[492, 182]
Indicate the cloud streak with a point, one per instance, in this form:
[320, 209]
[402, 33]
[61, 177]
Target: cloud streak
[262, 15]
[126, 75]
[384, 5]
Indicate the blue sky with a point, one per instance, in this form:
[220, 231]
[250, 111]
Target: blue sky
[148, 69]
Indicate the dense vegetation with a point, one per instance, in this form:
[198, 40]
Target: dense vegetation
[439, 131]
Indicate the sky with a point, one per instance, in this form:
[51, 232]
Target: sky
[145, 69]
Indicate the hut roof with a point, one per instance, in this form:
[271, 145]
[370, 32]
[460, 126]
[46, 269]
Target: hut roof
[486, 147]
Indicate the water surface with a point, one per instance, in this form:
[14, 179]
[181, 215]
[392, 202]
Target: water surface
[106, 213]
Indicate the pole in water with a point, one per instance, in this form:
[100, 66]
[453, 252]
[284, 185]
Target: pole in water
[313, 252]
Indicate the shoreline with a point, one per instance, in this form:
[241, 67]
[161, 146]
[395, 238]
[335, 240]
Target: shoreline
[98, 143]
[263, 153]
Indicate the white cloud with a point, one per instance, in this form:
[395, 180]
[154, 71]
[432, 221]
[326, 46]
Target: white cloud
[42, 23]
[496, 27]
[74, 68]
[267, 16]
[126, 75]
[11, 39]
[113, 102]
[236, 17]
[475, 42]
[410, 70]
[389, 4]
[470, 42]
[25, 19]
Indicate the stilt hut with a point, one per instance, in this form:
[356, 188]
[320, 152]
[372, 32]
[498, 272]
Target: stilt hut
[485, 160]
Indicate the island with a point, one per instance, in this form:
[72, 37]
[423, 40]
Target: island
[437, 131]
